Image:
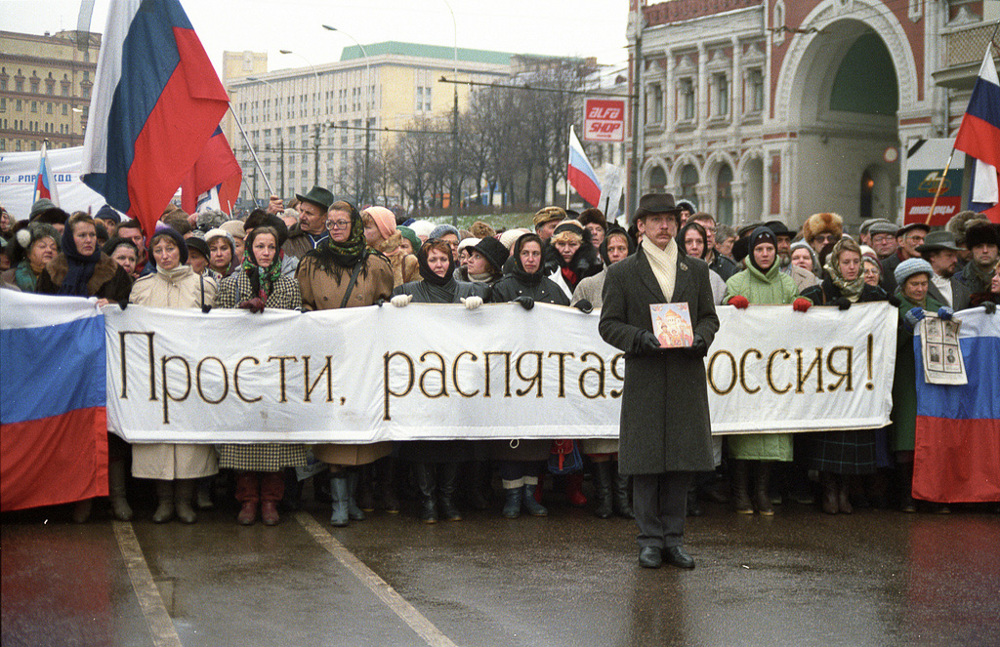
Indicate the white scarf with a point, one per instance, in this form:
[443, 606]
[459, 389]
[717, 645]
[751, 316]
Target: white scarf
[663, 262]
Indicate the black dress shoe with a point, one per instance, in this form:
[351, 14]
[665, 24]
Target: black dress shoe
[650, 557]
[675, 556]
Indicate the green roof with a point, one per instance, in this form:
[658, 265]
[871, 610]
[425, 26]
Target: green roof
[397, 48]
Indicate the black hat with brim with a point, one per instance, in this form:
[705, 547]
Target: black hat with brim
[653, 203]
[319, 197]
[494, 251]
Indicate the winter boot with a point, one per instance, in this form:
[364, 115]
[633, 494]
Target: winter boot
[425, 473]
[574, 490]
[272, 488]
[203, 494]
[339, 498]
[531, 504]
[116, 491]
[81, 510]
[512, 500]
[353, 510]
[183, 493]
[740, 477]
[479, 485]
[447, 484]
[365, 493]
[165, 506]
[540, 487]
[762, 479]
[620, 484]
[829, 483]
[387, 484]
[602, 481]
[248, 494]
[906, 502]
[844, 494]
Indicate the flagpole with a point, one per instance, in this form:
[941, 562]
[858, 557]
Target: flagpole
[246, 140]
[569, 153]
[940, 187]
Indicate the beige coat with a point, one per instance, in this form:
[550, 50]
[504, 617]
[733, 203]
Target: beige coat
[181, 288]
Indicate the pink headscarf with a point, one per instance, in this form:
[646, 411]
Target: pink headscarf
[384, 219]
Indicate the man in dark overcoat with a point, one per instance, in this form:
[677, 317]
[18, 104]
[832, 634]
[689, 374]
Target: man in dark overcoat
[665, 431]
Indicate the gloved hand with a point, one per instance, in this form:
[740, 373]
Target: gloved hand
[802, 305]
[698, 347]
[913, 316]
[473, 302]
[526, 302]
[254, 305]
[205, 308]
[945, 313]
[401, 300]
[739, 301]
[124, 304]
[645, 343]
[843, 303]
[380, 302]
[989, 306]
[584, 306]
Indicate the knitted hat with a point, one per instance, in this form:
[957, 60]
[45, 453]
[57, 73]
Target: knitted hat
[912, 266]
[494, 251]
[161, 230]
[408, 234]
[422, 228]
[41, 205]
[107, 212]
[509, 237]
[384, 219]
[443, 230]
[468, 242]
[220, 233]
[234, 228]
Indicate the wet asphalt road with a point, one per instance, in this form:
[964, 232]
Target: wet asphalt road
[800, 578]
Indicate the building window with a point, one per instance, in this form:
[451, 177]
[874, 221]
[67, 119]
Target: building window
[3, 104]
[756, 82]
[48, 108]
[18, 85]
[17, 105]
[655, 114]
[721, 86]
[689, 183]
[34, 106]
[686, 91]
[724, 195]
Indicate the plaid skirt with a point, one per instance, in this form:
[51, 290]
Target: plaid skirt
[842, 452]
[262, 457]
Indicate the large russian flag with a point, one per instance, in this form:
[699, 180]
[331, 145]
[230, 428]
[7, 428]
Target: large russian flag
[156, 102]
[53, 427]
[979, 136]
[45, 185]
[581, 174]
[957, 451]
[217, 168]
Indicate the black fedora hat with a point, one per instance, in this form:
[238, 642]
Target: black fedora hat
[939, 240]
[778, 228]
[655, 203]
[494, 251]
[318, 196]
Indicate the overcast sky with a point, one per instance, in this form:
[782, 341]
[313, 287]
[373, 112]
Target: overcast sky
[555, 27]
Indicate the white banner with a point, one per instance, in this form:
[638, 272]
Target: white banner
[440, 371]
[19, 172]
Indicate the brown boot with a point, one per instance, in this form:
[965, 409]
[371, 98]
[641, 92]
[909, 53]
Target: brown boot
[272, 488]
[830, 505]
[247, 493]
[741, 498]
[844, 495]
[762, 478]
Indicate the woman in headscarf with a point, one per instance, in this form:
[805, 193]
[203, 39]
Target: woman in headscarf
[693, 239]
[382, 236]
[124, 252]
[570, 257]
[762, 282]
[174, 466]
[343, 272]
[521, 461]
[31, 248]
[221, 253]
[840, 455]
[435, 463]
[82, 269]
[259, 284]
[611, 487]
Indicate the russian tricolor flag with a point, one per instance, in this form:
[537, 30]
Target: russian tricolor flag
[157, 100]
[218, 169]
[53, 443]
[957, 451]
[979, 137]
[581, 174]
[45, 185]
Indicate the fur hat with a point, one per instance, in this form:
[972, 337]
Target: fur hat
[912, 266]
[960, 223]
[595, 217]
[548, 214]
[27, 234]
[982, 233]
[819, 223]
[210, 219]
[480, 229]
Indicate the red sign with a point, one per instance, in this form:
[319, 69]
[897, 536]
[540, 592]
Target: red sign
[604, 120]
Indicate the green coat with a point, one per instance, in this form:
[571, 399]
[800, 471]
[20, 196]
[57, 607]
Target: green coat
[773, 288]
[904, 383]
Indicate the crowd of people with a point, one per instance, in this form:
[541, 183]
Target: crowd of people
[318, 253]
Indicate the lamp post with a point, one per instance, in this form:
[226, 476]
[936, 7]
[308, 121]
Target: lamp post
[454, 122]
[317, 127]
[368, 110]
[281, 130]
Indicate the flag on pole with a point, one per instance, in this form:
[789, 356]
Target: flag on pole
[581, 174]
[157, 100]
[979, 137]
[45, 185]
[217, 169]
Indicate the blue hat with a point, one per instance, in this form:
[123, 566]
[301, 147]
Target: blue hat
[912, 266]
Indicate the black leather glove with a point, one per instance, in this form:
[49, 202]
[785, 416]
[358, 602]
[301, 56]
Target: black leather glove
[991, 308]
[124, 304]
[698, 347]
[894, 301]
[584, 306]
[207, 308]
[380, 302]
[526, 302]
[843, 303]
[645, 343]
[254, 305]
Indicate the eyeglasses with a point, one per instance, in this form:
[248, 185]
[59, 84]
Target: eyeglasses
[338, 224]
[826, 238]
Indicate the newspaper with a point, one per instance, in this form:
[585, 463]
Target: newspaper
[942, 355]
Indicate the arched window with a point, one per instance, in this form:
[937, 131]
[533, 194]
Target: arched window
[657, 180]
[724, 195]
[689, 182]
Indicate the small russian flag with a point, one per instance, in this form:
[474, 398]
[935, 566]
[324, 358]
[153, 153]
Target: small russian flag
[979, 137]
[45, 185]
[581, 174]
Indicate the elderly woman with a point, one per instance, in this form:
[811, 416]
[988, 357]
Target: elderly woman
[762, 282]
[435, 463]
[570, 257]
[124, 252]
[693, 239]
[382, 236]
[803, 255]
[521, 461]
[913, 278]
[259, 283]
[221, 252]
[343, 272]
[31, 249]
[840, 456]
[409, 243]
[174, 466]
[82, 269]
[448, 234]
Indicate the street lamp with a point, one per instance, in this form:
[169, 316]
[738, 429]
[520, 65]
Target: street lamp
[281, 130]
[368, 109]
[318, 102]
[454, 122]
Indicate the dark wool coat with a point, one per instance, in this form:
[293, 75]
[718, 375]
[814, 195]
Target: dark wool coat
[109, 280]
[585, 262]
[665, 425]
[510, 287]
[421, 291]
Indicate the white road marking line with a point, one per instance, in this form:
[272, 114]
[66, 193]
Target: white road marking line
[413, 618]
[161, 627]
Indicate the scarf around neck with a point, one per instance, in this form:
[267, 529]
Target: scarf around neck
[850, 289]
[334, 257]
[262, 279]
[663, 262]
[79, 268]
